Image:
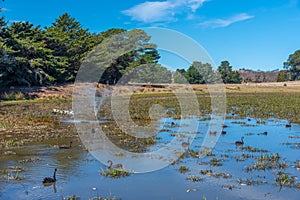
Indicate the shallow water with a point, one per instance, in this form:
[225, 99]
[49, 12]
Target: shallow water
[79, 173]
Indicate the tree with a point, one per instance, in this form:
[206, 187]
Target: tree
[31, 56]
[283, 75]
[193, 75]
[227, 74]
[150, 73]
[138, 51]
[180, 76]
[197, 73]
[293, 65]
[71, 43]
[26, 59]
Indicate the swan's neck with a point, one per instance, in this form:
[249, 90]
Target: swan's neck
[54, 175]
[110, 163]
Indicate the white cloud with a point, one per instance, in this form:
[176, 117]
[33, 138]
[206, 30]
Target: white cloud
[150, 11]
[158, 11]
[215, 23]
[195, 4]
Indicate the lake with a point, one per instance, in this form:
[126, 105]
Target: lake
[266, 167]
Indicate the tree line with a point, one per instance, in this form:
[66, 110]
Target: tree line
[33, 56]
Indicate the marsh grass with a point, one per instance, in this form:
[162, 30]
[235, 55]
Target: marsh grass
[10, 143]
[250, 181]
[114, 173]
[103, 198]
[73, 197]
[29, 121]
[267, 162]
[215, 162]
[30, 117]
[254, 149]
[183, 169]
[283, 179]
[13, 173]
[9, 96]
[194, 178]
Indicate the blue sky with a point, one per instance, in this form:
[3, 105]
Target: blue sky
[253, 34]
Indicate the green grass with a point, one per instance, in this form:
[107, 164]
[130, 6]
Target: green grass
[33, 117]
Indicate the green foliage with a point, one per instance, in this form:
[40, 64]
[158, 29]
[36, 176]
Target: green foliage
[227, 74]
[293, 65]
[193, 75]
[180, 76]
[150, 73]
[71, 43]
[124, 53]
[283, 75]
[197, 73]
[31, 56]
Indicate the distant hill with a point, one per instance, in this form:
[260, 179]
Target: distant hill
[258, 76]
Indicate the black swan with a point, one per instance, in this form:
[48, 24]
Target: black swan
[116, 166]
[173, 124]
[240, 143]
[65, 146]
[288, 125]
[49, 179]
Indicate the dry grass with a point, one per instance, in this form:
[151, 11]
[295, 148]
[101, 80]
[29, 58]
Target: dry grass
[66, 91]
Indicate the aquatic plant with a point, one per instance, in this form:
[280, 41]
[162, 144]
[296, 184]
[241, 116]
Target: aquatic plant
[206, 171]
[183, 169]
[215, 162]
[30, 160]
[223, 174]
[267, 162]
[194, 178]
[250, 181]
[283, 179]
[193, 153]
[103, 198]
[73, 197]
[254, 149]
[114, 173]
[15, 176]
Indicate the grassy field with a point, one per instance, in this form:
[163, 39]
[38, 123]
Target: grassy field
[32, 120]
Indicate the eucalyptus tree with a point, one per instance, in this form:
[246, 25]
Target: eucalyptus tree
[293, 65]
